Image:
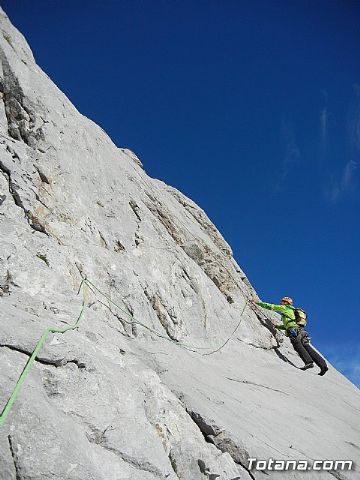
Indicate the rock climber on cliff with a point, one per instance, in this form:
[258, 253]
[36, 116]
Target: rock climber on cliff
[297, 334]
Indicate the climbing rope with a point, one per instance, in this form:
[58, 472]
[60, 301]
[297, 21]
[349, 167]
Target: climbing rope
[93, 288]
[31, 359]
[233, 333]
[133, 321]
[192, 348]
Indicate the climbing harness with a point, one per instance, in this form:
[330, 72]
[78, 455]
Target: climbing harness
[85, 282]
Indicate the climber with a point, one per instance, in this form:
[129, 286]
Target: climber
[297, 334]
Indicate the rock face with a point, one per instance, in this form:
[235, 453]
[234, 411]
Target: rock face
[140, 390]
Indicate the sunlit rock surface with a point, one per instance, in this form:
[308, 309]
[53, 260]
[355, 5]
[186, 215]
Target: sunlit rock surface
[138, 390]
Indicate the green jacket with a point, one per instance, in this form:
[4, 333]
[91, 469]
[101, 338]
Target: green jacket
[287, 314]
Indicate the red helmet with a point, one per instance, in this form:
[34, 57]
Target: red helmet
[287, 300]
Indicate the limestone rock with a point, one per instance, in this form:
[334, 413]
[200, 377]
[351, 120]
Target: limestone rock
[140, 389]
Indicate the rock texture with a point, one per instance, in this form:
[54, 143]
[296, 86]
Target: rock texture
[133, 392]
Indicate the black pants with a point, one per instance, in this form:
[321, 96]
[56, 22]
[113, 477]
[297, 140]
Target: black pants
[306, 352]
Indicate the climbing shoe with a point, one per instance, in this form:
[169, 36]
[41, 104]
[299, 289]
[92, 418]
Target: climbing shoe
[308, 365]
[323, 371]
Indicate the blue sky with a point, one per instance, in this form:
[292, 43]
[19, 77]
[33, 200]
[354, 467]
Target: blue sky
[252, 109]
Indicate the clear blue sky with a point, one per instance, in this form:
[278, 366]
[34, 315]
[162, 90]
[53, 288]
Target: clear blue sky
[252, 109]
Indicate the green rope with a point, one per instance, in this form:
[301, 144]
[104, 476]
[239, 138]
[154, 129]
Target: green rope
[192, 348]
[94, 288]
[133, 320]
[237, 326]
[33, 356]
